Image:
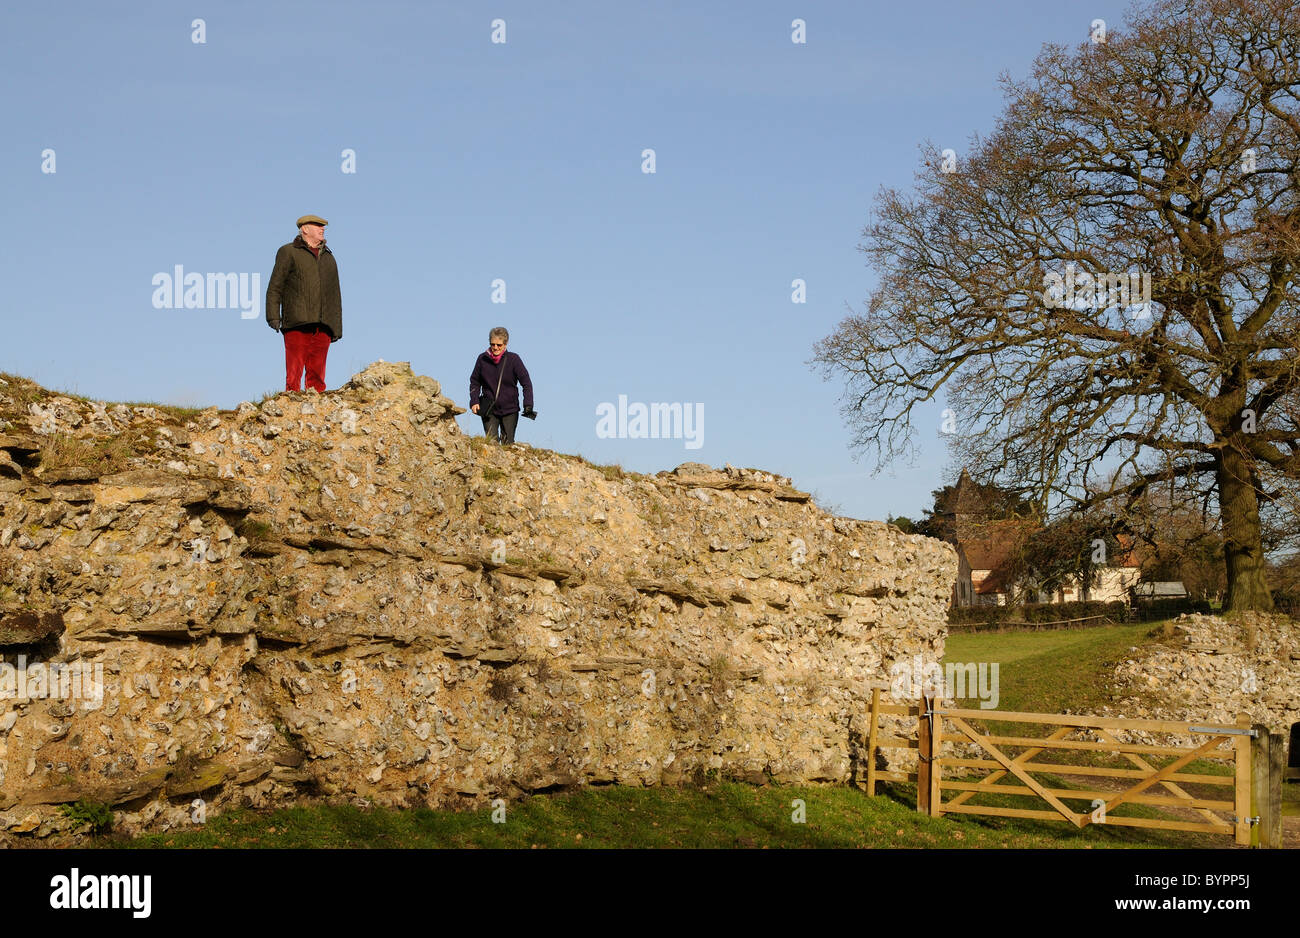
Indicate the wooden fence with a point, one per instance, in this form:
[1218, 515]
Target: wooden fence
[1249, 811]
[1024, 625]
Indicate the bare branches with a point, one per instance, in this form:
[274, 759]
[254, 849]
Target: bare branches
[1106, 289]
[1130, 157]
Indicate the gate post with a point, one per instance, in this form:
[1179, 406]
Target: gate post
[936, 769]
[1242, 746]
[871, 741]
[924, 754]
[1266, 767]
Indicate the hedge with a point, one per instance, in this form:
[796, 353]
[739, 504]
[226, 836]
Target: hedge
[989, 616]
[1054, 612]
[1171, 608]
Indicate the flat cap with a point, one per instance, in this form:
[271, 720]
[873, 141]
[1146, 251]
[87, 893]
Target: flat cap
[311, 220]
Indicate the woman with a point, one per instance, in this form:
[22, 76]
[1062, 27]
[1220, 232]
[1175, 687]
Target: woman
[492, 392]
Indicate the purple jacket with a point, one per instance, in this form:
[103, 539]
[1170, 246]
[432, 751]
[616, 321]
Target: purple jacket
[483, 383]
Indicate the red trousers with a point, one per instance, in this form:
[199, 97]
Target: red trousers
[305, 350]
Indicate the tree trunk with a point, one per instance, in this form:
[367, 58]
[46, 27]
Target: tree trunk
[1242, 548]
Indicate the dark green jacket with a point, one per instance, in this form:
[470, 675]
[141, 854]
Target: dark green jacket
[304, 290]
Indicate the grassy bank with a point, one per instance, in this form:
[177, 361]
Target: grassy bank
[720, 815]
[1049, 672]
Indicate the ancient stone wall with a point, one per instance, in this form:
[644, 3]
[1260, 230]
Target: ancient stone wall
[342, 596]
[1213, 668]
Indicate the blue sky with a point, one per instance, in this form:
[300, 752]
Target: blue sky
[477, 161]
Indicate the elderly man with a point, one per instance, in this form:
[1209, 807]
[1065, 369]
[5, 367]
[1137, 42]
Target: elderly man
[303, 303]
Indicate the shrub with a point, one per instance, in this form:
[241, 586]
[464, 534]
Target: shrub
[261, 536]
[989, 617]
[1054, 612]
[105, 455]
[982, 615]
[1172, 608]
[254, 529]
[95, 816]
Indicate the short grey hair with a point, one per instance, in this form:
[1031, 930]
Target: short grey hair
[500, 331]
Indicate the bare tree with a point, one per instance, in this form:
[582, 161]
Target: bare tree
[1072, 550]
[1106, 286]
[1179, 539]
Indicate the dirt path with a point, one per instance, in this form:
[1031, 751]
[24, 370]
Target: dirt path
[1290, 823]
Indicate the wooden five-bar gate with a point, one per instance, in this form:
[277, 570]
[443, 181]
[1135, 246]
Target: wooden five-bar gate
[1249, 810]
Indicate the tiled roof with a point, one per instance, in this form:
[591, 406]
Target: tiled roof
[994, 543]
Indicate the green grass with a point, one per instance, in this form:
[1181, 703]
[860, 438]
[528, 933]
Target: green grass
[722, 814]
[1051, 671]
[101, 453]
[104, 455]
[177, 412]
[612, 472]
[24, 391]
